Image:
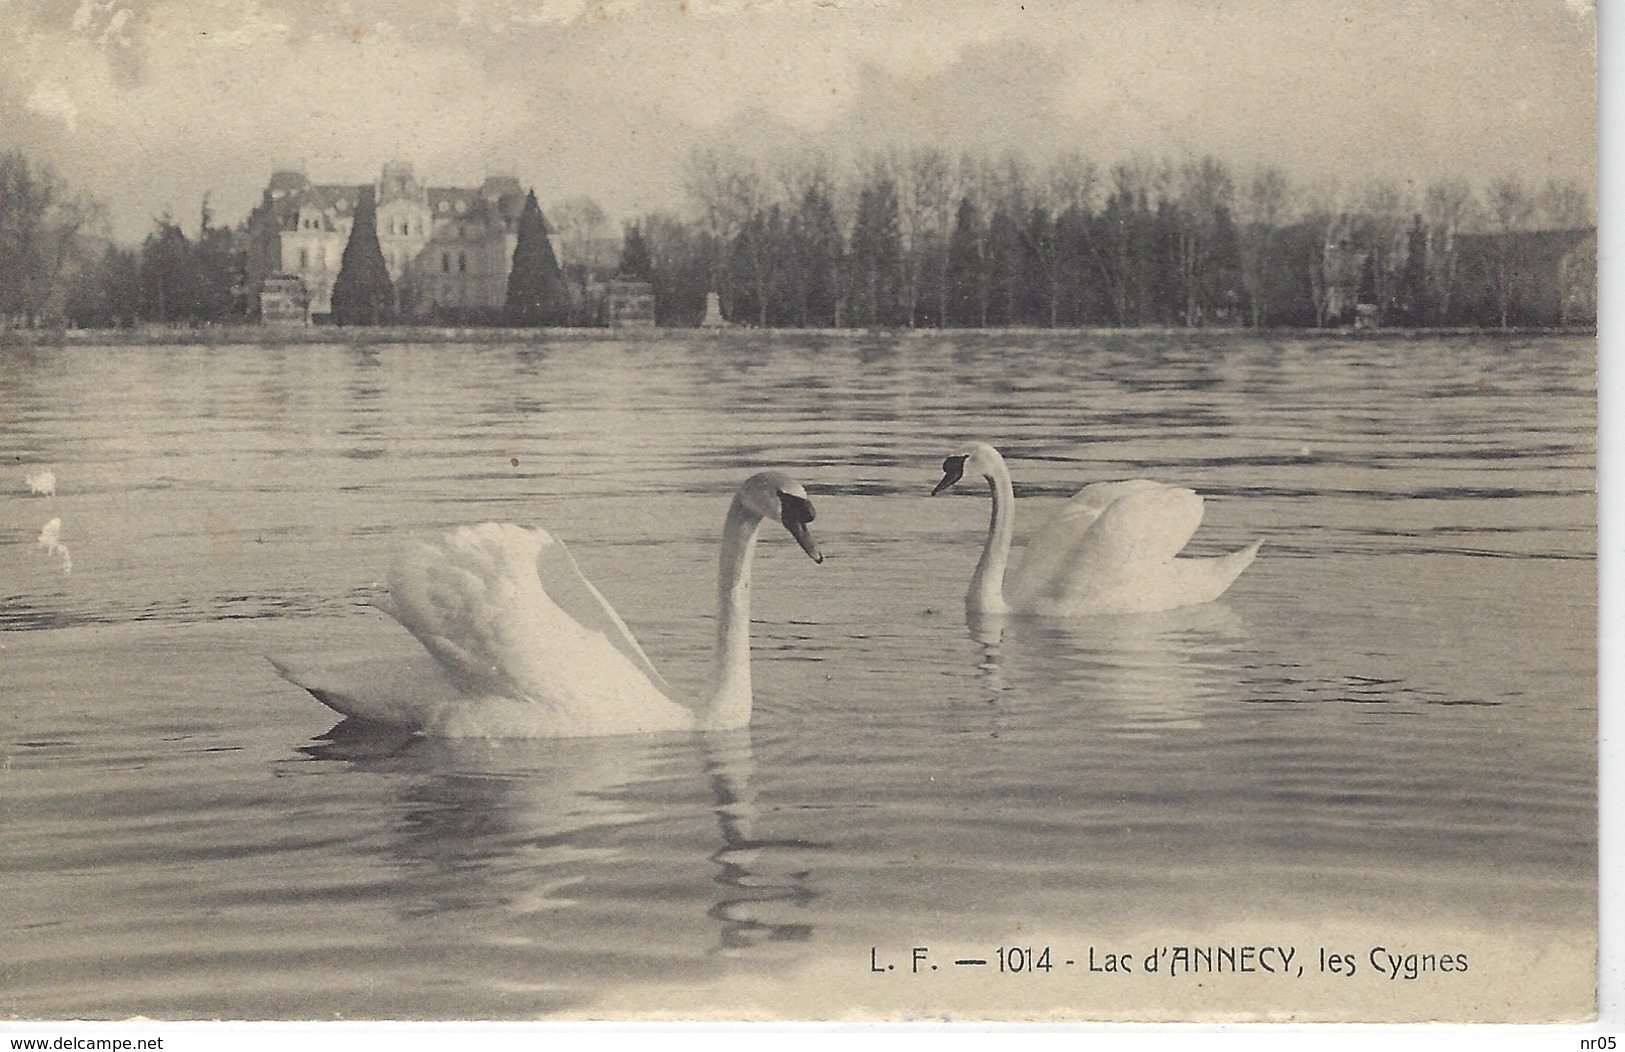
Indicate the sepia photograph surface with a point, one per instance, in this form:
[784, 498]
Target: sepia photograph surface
[798, 510]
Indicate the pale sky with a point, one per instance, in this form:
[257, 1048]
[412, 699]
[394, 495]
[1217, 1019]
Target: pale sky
[148, 104]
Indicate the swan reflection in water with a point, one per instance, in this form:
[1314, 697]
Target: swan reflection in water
[1156, 670]
[752, 868]
[576, 830]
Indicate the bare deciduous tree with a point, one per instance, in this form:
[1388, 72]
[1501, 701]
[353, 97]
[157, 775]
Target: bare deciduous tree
[927, 191]
[1263, 209]
[1564, 204]
[1205, 187]
[1385, 210]
[1510, 207]
[1449, 208]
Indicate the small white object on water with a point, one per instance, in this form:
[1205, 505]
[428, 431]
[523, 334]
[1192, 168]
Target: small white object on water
[50, 538]
[43, 483]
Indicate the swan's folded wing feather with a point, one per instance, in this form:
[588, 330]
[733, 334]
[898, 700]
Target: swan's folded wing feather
[1109, 531]
[1047, 559]
[1150, 525]
[506, 611]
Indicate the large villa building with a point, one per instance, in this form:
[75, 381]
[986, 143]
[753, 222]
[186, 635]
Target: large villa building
[448, 249]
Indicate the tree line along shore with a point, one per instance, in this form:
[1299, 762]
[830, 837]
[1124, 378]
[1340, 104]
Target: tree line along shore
[913, 240]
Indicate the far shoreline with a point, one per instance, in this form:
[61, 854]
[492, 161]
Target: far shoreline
[275, 336]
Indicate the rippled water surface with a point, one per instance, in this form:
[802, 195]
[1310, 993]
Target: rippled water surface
[1382, 739]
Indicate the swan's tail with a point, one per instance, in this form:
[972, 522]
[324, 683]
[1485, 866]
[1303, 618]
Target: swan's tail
[329, 688]
[310, 680]
[1202, 580]
[285, 670]
[1226, 568]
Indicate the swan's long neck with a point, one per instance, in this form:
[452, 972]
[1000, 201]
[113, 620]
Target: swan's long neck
[986, 594]
[729, 701]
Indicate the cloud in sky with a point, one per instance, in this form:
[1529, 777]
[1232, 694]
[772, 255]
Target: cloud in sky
[148, 104]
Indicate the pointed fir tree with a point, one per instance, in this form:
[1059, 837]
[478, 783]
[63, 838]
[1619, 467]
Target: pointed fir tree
[168, 280]
[218, 265]
[536, 292]
[1414, 300]
[819, 258]
[363, 293]
[1221, 279]
[1005, 270]
[635, 261]
[876, 257]
[966, 259]
[1072, 248]
[1367, 291]
[1040, 263]
[1163, 301]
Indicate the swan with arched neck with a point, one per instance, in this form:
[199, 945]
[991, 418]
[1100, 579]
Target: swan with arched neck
[1112, 549]
[516, 642]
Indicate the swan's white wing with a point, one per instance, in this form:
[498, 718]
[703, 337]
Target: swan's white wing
[1105, 531]
[1054, 547]
[506, 612]
[1145, 526]
[564, 582]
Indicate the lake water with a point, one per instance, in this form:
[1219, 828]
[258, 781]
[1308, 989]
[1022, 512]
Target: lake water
[1380, 743]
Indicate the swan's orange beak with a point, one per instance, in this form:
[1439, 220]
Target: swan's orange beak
[953, 469]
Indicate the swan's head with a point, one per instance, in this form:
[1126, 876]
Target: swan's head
[774, 495]
[978, 458]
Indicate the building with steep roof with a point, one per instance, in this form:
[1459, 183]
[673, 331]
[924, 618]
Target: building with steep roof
[448, 249]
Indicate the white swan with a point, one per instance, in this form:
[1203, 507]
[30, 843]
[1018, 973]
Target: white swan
[1109, 550]
[517, 643]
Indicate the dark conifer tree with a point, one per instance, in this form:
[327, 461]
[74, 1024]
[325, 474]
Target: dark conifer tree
[107, 294]
[218, 267]
[783, 285]
[1007, 272]
[1367, 291]
[363, 293]
[877, 254]
[1414, 301]
[536, 292]
[1111, 245]
[967, 249]
[680, 269]
[818, 257]
[1221, 279]
[1158, 266]
[747, 272]
[1070, 298]
[168, 280]
[635, 261]
[758, 261]
[1041, 264]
